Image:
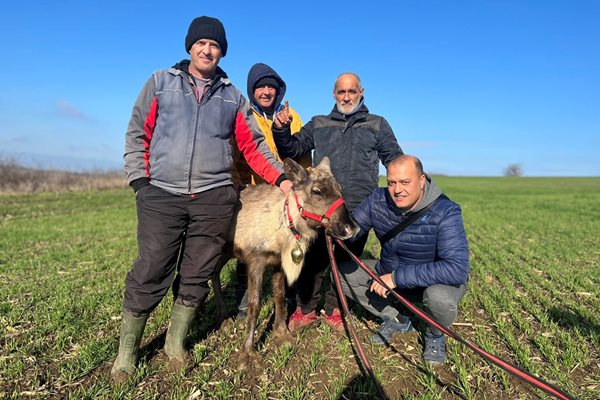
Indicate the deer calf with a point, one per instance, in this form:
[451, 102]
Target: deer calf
[271, 230]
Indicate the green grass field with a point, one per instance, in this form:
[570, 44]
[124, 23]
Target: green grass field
[533, 299]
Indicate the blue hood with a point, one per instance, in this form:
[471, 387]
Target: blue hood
[259, 71]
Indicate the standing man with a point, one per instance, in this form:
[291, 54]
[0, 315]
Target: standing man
[178, 160]
[355, 141]
[266, 90]
[428, 261]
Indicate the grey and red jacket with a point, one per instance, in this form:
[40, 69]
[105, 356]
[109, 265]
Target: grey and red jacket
[181, 140]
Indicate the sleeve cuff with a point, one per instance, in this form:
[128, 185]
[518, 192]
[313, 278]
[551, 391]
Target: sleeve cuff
[281, 178]
[139, 183]
[280, 131]
[394, 279]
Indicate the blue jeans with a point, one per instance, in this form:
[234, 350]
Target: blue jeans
[441, 301]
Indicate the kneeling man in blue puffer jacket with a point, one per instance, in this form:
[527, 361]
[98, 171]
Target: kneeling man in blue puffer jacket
[428, 261]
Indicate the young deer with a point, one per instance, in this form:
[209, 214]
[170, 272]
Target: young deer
[271, 230]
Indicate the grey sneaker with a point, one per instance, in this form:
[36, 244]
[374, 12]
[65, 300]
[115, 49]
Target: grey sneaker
[389, 328]
[435, 349]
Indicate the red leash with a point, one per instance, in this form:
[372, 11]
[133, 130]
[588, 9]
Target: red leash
[358, 347]
[512, 369]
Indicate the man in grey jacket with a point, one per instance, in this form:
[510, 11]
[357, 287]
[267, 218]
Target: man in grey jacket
[178, 160]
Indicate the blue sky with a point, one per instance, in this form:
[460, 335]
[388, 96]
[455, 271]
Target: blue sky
[468, 86]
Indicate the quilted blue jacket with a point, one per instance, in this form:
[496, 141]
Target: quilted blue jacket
[432, 250]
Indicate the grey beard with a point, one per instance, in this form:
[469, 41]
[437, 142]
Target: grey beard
[340, 109]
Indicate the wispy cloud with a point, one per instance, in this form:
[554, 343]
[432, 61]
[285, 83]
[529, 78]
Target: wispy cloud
[67, 109]
[16, 140]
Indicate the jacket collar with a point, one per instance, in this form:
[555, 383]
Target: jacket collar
[181, 68]
[431, 192]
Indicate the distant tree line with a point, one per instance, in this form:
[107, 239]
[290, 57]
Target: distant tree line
[19, 179]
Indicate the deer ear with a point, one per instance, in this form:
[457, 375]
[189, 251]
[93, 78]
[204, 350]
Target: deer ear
[324, 164]
[294, 171]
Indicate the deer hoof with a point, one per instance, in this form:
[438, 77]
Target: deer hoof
[282, 337]
[120, 378]
[226, 323]
[249, 359]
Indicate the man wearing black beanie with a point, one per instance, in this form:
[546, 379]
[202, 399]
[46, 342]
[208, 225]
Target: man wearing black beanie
[178, 161]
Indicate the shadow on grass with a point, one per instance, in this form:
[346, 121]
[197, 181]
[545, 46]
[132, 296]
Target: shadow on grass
[205, 323]
[362, 387]
[570, 319]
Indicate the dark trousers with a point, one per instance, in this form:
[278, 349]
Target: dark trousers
[308, 286]
[167, 223]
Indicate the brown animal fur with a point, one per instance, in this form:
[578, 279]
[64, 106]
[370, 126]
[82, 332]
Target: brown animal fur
[261, 238]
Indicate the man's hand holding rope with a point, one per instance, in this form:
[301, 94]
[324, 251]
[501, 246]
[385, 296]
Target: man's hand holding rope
[379, 289]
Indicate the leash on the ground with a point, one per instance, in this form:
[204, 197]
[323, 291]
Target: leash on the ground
[512, 369]
[359, 349]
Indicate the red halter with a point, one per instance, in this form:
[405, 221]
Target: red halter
[307, 214]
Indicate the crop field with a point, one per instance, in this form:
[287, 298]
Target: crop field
[533, 300]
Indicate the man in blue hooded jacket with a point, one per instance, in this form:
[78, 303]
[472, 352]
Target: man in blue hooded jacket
[428, 261]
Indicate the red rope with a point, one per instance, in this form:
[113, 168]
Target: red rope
[290, 220]
[359, 349]
[512, 369]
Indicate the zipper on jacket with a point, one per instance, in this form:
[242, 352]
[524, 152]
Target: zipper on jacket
[192, 83]
[350, 122]
[199, 102]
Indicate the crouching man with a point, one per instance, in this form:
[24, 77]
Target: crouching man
[427, 261]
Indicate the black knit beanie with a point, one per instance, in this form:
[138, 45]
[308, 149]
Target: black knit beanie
[206, 28]
[267, 80]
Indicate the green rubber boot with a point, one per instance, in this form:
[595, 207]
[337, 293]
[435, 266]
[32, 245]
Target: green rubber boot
[132, 330]
[181, 319]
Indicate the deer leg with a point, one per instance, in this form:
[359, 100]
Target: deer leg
[255, 279]
[280, 331]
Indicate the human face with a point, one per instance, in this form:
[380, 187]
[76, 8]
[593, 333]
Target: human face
[204, 58]
[405, 185]
[347, 93]
[265, 97]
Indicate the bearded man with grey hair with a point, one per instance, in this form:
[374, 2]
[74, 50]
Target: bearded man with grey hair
[355, 142]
